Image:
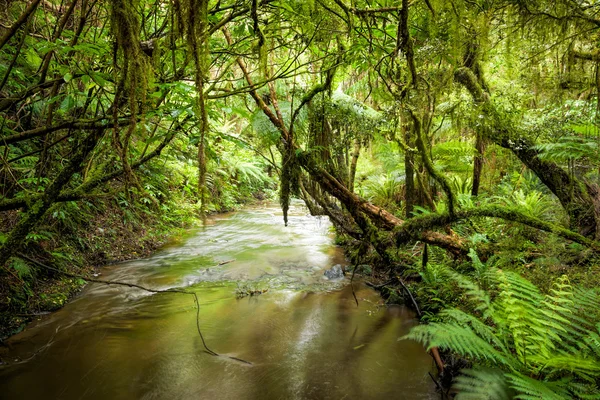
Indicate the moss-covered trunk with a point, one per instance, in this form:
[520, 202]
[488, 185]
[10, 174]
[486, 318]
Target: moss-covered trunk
[16, 239]
[572, 193]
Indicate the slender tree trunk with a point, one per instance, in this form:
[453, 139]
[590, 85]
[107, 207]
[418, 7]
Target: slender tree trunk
[198, 23]
[409, 174]
[478, 163]
[353, 164]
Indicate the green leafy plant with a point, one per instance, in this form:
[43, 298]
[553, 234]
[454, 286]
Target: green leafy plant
[20, 267]
[535, 204]
[524, 344]
[385, 190]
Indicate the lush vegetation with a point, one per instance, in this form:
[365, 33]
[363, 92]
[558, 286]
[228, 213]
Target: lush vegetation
[534, 346]
[434, 134]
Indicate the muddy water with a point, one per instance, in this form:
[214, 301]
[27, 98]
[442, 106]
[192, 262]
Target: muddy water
[305, 336]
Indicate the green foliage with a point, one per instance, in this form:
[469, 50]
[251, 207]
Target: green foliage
[525, 193]
[534, 204]
[453, 156]
[461, 186]
[20, 267]
[534, 345]
[470, 387]
[384, 190]
[569, 148]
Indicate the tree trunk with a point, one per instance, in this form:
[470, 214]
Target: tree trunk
[198, 28]
[572, 193]
[353, 164]
[409, 174]
[477, 163]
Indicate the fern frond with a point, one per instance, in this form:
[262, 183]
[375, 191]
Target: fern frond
[533, 389]
[534, 338]
[586, 368]
[474, 291]
[482, 384]
[462, 340]
[480, 328]
[585, 391]
[517, 286]
[592, 342]
[586, 302]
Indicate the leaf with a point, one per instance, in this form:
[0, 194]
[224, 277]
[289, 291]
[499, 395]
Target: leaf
[68, 103]
[20, 267]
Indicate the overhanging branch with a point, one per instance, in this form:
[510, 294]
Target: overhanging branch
[411, 228]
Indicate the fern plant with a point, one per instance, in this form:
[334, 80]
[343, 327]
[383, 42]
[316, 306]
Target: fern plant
[524, 344]
[384, 190]
[569, 148]
[534, 204]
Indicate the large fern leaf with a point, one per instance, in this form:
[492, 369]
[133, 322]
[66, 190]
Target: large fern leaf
[548, 346]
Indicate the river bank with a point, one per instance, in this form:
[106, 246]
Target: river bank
[82, 247]
[305, 337]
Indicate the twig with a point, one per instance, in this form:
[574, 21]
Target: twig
[439, 386]
[352, 285]
[133, 285]
[378, 286]
[410, 295]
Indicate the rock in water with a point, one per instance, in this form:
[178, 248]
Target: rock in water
[334, 272]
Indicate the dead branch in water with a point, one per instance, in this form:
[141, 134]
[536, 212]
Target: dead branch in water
[133, 285]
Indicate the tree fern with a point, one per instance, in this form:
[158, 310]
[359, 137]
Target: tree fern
[452, 336]
[539, 346]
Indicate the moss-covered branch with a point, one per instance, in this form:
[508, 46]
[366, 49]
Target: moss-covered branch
[99, 124]
[17, 236]
[571, 192]
[435, 174]
[411, 229]
[85, 188]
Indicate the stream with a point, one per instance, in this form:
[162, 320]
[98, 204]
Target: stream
[305, 336]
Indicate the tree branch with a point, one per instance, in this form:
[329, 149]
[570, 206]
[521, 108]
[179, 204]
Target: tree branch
[20, 21]
[411, 228]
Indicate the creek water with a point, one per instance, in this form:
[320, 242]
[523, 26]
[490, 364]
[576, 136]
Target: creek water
[305, 336]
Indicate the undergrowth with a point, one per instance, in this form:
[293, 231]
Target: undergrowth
[524, 344]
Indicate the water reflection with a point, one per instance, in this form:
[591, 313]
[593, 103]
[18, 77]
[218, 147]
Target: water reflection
[306, 337]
